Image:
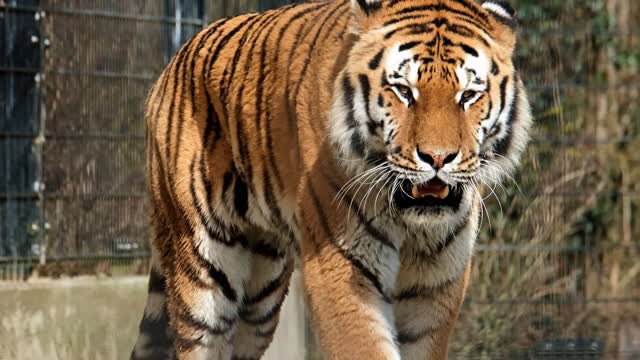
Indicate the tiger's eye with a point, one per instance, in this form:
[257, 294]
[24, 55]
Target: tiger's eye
[405, 92]
[467, 95]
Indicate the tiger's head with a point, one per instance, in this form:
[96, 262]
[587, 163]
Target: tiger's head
[429, 104]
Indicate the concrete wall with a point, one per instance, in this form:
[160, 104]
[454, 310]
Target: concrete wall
[97, 318]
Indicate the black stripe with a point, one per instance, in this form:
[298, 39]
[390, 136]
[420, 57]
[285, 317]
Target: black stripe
[411, 293]
[239, 48]
[240, 197]
[429, 254]
[267, 317]
[409, 45]
[503, 94]
[246, 81]
[451, 237]
[427, 26]
[264, 248]
[357, 141]
[466, 32]
[406, 337]
[214, 273]
[208, 187]
[221, 278]
[365, 86]
[457, 230]
[312, 46]
[416, 28]
[469, 50]
[191, 272]
[214, 54]
[321, 215]
[399, 19]
[272, 202]
[471, 17]
[187, 318]
[348, 92]
[270, 149]
[503, 146]
[156, 282]
[184, 314]
[367, 273]
[204, 38]
[260, 84]
[178, 65]
[488, 110]
[166, 194]
[187, 72]
[377, 235]
[213, 123]
[374, 63]
[300, 33]
[473, 8]
[495, 70]
[316, 127]
[206, 217]
[271, 287]
[421, 291]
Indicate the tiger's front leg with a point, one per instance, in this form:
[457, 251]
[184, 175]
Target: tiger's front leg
[426, 316]
[431, 285]
[350, 267]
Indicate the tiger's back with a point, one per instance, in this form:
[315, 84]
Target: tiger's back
[255, 133]
[240, 110]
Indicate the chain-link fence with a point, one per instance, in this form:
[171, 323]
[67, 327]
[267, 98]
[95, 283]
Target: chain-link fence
[75, 75]
[556, 272]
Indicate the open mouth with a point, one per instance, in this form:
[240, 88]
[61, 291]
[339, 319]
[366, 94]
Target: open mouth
[433, 194]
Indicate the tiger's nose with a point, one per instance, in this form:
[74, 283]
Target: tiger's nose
[437, 159]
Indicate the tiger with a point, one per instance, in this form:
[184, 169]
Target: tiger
[351, 139]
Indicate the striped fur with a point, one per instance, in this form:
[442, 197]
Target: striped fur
[297, 133]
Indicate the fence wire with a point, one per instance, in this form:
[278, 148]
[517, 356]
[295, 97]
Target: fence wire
[556, 273]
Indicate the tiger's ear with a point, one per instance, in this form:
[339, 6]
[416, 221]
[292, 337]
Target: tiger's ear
[506, 22]
[502, 11]
[365, 11]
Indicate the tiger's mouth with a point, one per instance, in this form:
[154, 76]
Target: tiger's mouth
[432, 194]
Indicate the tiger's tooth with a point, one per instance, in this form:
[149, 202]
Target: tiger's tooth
[415, 191]
[445, 192]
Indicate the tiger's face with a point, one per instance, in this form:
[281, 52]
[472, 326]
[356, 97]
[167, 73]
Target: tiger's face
[429, 103]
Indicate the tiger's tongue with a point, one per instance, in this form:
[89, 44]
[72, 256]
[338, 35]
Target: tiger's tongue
[435, 188]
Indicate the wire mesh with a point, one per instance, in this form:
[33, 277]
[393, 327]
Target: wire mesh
[556, 273]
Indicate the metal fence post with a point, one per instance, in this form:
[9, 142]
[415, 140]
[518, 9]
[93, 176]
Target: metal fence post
[40, 140]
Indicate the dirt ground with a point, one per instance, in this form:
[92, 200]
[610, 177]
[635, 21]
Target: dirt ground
[97, 318]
